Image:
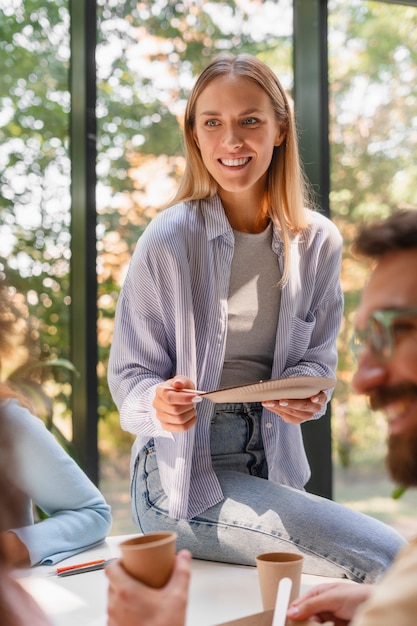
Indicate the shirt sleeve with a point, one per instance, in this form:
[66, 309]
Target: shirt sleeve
[145, 334]
[139, 359]
[78, 515]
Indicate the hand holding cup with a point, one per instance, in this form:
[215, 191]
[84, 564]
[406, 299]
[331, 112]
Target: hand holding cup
[150, 558]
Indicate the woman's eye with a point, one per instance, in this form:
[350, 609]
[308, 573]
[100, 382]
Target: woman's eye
[250, 121]
[212, 123]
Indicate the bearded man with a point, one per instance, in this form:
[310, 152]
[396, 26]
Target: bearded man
[385, 343]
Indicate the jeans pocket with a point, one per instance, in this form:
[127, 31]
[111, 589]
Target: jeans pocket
[152, 490]
[134, 477]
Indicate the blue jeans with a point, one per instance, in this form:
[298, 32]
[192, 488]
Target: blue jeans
[258, 515]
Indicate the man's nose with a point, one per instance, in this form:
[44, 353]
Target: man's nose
[370, 373]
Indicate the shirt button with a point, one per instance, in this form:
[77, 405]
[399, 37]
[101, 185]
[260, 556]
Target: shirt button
[268, 425]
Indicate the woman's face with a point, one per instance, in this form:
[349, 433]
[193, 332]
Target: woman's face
[236, 132]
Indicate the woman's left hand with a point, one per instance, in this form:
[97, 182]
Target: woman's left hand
[296, 411]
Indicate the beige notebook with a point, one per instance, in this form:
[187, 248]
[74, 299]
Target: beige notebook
[298, 387]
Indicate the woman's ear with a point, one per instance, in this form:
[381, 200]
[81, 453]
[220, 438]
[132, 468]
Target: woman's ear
[196, 140]
[280, 137]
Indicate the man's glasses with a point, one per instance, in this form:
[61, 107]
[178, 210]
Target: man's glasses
[381, 332]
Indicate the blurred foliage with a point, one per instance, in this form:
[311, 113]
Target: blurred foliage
[373, 142]
[43, 382]
[148, 54]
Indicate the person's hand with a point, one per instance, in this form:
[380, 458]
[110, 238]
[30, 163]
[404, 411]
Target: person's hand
[297, 411]
[176, 409]
[131, 603]
[337, 602]
[14, 549]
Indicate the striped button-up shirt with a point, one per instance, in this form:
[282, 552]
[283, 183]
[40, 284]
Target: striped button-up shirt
[171, 319]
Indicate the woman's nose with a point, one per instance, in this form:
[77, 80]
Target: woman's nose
[232, 138]
[370, 373]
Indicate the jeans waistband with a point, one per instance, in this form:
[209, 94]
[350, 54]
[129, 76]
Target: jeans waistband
[237, 406]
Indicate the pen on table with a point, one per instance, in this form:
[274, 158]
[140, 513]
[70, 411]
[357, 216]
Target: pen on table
[80, 568]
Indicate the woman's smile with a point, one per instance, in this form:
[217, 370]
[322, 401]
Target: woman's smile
[235, 163]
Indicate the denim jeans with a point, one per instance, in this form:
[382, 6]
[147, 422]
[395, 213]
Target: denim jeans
[258, 515]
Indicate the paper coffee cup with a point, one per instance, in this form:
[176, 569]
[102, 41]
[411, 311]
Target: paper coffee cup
[272, 567]
[150, 558]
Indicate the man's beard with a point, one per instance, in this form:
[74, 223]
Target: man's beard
[401, 458]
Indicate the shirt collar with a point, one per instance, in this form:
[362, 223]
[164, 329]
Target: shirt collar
[217, 223]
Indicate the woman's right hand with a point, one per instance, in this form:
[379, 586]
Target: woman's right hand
[176, 409]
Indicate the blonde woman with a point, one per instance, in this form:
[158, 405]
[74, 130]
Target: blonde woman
[237, 281]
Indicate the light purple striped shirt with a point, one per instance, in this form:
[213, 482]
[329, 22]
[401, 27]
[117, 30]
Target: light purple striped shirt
[171, 319]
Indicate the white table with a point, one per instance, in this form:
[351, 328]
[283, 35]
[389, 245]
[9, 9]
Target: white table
[219, 592]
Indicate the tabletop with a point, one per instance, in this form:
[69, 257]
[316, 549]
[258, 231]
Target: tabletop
[219, 592]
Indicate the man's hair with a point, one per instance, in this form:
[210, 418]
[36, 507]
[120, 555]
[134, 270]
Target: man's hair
[397, 232]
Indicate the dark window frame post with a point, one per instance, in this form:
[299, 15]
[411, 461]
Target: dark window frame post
[83, 234]
[311, 96]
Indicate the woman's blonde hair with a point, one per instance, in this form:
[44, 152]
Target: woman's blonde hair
[287, 192]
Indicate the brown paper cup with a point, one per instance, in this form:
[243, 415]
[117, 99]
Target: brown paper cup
[150, 558]
[274, 566]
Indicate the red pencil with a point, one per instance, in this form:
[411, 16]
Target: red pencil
[59, 570]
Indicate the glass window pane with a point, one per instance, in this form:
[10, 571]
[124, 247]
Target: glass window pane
[35, 192]
[373, 134]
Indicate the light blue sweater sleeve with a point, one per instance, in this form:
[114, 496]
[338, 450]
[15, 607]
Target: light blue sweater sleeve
[78, 515]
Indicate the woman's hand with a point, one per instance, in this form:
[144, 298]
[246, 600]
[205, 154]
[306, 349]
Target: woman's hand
[131, 603]
[297, 411]
[175, 409]
[337, 602]
[15, 550]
